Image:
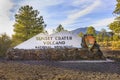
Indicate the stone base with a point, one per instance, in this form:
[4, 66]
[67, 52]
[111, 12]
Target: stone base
[52, 54]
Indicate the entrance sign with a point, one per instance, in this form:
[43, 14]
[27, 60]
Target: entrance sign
[56, 40]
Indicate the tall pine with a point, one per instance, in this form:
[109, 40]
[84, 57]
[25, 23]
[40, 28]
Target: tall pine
[60, 28]
[91, 30]
[5, 44]
[115, 26]
[27, 24]
[117, 8]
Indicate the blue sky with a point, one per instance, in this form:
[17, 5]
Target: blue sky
[71, 14]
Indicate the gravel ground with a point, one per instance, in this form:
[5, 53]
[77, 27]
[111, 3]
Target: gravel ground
[56, 70]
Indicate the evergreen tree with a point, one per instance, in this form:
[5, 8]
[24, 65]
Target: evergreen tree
[111, 35]
[5, 43]
[115, 37]
[80, 34]
[60, 28]
[117, 8]
[115, 26]
[27, 24]
[102, 36]
[99, 37]
[91, 30]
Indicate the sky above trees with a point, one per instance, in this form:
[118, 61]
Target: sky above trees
[71, 14]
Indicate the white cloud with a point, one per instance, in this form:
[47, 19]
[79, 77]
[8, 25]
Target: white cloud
[83, 7]
[80, 13]
[6, 25]
[78, 3]
[42, 4]
[5, 22]
[99, 24]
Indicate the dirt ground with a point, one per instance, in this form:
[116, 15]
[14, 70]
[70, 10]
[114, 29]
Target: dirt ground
[53, 70]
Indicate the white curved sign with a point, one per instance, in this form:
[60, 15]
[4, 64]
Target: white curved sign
[57, 40]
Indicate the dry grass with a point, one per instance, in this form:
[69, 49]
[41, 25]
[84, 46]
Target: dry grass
[15, 70]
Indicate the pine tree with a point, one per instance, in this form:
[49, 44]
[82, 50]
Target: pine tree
[80, 34]
[91, 30]
[60, 28]
[5, 43]
[27, 24]
[117, 8]
[115, 26]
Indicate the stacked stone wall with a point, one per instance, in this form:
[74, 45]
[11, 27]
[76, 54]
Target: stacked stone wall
[51, 54]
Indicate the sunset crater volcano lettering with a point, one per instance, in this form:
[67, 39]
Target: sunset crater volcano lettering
[53, 42]
[55, 38]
